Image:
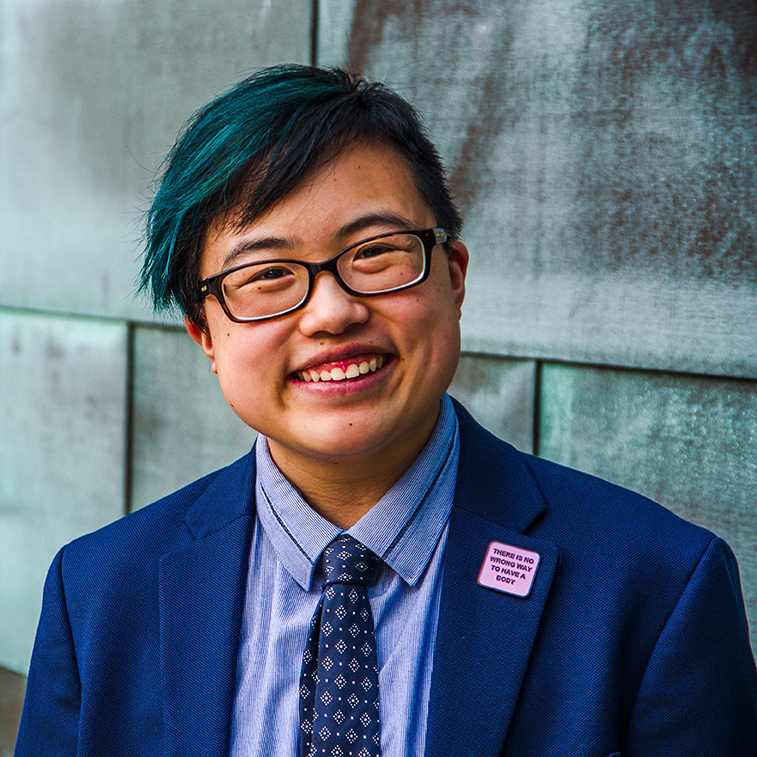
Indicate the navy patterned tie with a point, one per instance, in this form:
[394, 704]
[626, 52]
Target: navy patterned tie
[339, 697]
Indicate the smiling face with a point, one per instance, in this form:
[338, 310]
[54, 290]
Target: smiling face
[382, 363]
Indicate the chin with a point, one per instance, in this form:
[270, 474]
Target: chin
[345, 448]
[337, 442]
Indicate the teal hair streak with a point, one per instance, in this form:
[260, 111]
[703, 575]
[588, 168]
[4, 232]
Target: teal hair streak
[201, 176]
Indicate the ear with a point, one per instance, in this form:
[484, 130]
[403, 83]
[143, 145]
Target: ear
[457, 261]
[204, 339]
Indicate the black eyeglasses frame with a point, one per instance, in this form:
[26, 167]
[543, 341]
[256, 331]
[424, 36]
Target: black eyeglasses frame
[429, 238]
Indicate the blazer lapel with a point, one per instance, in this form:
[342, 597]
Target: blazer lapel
[484, 636]
[202, 589]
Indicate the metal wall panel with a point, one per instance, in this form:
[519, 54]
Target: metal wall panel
[92, 95]
[182, 426]
[499, 394]
[605, 157]
[62, 453]
[688, 443]
[12, 688]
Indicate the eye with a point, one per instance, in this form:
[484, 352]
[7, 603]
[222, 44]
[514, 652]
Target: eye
[270, 273]
[267, 277]
[373, 250]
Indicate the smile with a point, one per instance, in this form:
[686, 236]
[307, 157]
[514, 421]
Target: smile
[349, 370]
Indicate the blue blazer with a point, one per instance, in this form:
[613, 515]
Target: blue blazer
[633, 640]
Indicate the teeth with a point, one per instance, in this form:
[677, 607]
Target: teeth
[337, 374]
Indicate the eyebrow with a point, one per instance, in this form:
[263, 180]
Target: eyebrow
[247, 246]
[374, 219]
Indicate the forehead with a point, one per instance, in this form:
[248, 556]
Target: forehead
[366, 189]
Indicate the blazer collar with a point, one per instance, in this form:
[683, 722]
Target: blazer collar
[492, 480]
[201, 599]
[230, 495]
[484, 637]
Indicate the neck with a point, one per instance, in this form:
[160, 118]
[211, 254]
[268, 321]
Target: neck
[342, 491]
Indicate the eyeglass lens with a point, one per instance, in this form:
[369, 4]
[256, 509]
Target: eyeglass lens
[274, 286]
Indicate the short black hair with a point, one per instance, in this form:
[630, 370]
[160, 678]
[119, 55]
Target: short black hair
[252, 146]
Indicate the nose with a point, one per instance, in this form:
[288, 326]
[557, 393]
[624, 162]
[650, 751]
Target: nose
[331, 309]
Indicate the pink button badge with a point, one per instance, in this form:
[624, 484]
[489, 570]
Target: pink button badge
[509, 569]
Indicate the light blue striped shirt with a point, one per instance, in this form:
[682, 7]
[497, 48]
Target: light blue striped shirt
[407, 528]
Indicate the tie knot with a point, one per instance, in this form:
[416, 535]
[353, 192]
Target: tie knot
[347, 561]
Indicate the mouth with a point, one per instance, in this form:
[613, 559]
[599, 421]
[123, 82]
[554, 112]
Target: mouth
[343, 370]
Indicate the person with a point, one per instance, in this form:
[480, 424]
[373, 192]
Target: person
[508, 606]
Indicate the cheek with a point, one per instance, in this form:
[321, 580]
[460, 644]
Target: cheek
[435, 339]
[247, 384]
[448, 353]
[242, 363]
[444, 329]
[230, 381]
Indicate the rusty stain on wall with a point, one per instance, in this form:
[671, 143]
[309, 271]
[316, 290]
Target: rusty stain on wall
[667, 140]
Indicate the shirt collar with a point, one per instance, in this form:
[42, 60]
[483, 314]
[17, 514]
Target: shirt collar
[403, 528]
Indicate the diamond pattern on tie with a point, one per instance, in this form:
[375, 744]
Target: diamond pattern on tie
[339, 694]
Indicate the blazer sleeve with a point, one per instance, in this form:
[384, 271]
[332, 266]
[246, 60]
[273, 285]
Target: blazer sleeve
[699, 691]
[50, 718]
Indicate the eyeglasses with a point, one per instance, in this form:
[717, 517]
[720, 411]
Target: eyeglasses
[271, 288]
